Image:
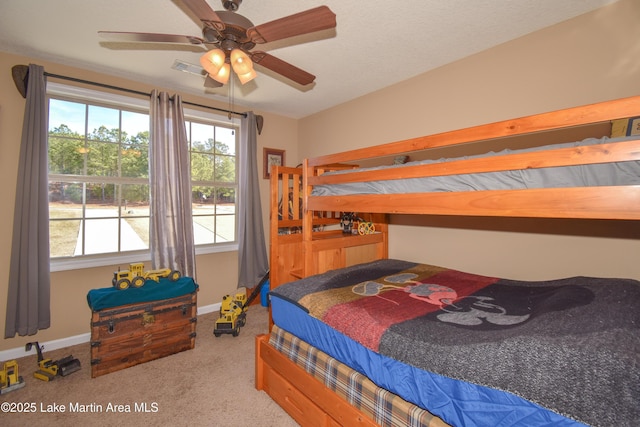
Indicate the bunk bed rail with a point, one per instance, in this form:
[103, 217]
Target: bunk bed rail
[599, 201]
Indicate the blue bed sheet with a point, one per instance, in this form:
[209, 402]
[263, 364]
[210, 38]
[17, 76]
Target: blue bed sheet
[458, 403]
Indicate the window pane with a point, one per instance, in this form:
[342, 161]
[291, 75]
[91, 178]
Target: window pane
[204, 230]
[134, 124]
[65, 200]
[226, 200]
[225, 170]
[134, 158]
[100, 236]
[202, 167]
[225, 218]
[225, 228]
[103, 124]
[134, 234]
[135, 145]
[102, 159]
[63, 237]
[202, 196]
[101, 200]
[66, 117]
[202, 137]
[226, 140]
[66, 155]
[135, 200]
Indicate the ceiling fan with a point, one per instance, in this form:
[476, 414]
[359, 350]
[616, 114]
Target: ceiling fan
[229, 39]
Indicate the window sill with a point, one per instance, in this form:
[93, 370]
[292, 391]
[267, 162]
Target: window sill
[77, 263]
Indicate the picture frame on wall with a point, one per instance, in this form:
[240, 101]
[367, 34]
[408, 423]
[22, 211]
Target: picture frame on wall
[272, 157]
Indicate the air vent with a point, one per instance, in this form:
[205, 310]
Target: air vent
[188, 68]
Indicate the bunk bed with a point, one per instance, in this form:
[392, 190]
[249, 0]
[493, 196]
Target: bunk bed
[435, 346]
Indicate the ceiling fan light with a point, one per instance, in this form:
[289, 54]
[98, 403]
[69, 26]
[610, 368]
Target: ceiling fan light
[241, 62]
[244, 78]
[223, 75]
[213, 61]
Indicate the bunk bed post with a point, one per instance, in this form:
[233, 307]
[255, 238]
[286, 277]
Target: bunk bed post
[273, 225]
[307, 219]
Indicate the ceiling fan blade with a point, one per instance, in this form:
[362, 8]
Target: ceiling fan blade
[211, 83]
[283, 68]
[204, 12]
[117, 36]
[309, 21]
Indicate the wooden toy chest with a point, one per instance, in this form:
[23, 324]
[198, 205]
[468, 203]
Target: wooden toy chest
[130, 334]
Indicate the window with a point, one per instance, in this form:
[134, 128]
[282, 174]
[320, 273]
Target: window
[213, 182]
[99, 177]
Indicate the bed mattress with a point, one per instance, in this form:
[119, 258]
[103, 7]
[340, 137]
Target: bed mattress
[603, 174]
[530, 368]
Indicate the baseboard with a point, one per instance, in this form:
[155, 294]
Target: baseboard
[209, 308]
[15, 353]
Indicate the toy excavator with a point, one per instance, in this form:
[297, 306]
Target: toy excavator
[49, 369]
[233, 310]
[9, 378]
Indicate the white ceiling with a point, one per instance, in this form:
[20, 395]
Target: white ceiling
[376, 42]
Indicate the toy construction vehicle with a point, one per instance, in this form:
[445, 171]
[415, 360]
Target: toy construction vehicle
[233, 310]
[49, 369]
[136, 276]
[232, 314]
[9, 378]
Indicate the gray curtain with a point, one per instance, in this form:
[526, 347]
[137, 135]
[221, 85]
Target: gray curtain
[171, 226]
[28, 308]
[253, 262]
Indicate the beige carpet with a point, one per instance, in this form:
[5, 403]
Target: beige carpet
[211, 385]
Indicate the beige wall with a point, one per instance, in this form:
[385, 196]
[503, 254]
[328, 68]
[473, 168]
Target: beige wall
[216, 273]
[591, 58]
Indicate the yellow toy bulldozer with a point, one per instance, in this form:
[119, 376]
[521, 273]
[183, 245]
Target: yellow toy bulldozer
[136, 276]
[10, 380]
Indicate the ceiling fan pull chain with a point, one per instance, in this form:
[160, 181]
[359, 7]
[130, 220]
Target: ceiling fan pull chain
[231, 103]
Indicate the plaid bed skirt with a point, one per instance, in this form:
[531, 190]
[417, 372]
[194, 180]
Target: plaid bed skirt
[384, 407]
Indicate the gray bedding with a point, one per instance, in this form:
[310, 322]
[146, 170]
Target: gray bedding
[621, 173]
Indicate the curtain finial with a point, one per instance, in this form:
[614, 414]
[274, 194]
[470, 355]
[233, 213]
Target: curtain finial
[259, 123]
[20, 74]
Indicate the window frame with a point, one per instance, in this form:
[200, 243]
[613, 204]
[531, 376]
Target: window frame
[108, 99]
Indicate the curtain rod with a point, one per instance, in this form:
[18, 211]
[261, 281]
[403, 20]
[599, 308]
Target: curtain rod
[137, 92]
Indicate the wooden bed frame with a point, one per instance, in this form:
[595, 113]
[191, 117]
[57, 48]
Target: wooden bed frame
[327, 247]
[311, 251]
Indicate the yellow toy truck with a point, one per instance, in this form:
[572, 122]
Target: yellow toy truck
[9, 378]
[233, 314]
[136, 276]
[233, 310]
